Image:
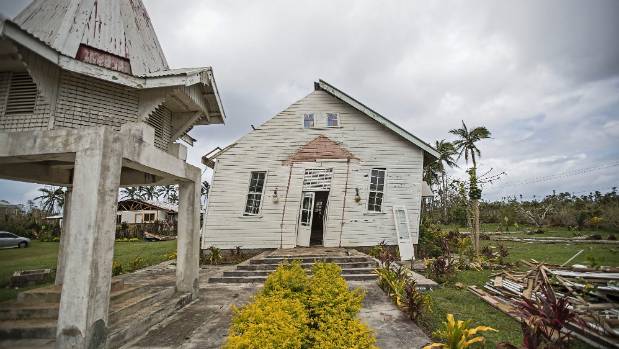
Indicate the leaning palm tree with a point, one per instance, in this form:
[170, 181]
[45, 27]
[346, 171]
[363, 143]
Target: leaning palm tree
[447, 152]
[466, 145]
[51, 199]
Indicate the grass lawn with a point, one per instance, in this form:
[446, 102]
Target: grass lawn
[44, 255]
[466, 306]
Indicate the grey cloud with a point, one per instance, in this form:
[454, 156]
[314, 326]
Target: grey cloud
[425, 65]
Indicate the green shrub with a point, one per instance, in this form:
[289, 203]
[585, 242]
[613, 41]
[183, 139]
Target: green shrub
[117, 268]
[329, 296]
[288, 279]
[269, 322]
[137, 263]
[297, 311]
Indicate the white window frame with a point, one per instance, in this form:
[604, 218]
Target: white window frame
[384, 191]
[314, 116]
[337, 115]
[144, 220]
[264, 185]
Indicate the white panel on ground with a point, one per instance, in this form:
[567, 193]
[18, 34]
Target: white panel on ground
[405, 242]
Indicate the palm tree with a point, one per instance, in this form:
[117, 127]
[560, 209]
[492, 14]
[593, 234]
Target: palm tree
[131, 193]
[51, 198]
[466, 146]
[168, 192]
[446, 151]
[148, 192]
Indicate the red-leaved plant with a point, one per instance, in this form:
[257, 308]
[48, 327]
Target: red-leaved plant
[544, 318]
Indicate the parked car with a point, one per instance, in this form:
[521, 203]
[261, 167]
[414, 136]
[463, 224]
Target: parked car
[11, 240]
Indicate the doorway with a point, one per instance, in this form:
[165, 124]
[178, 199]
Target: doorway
[319, 218]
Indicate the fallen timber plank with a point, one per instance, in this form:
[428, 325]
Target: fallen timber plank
[554, 241]
[596, 340]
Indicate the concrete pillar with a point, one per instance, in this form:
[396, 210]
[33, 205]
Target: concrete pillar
[188, 243]
[64, 236]
[83, 316]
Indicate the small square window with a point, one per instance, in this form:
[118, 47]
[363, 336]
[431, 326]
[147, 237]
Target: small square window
[333, 120]
[308, 120]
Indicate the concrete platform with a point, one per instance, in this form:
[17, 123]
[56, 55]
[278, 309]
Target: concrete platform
[204, 323]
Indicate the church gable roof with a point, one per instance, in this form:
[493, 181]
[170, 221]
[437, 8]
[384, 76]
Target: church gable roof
[322, 148]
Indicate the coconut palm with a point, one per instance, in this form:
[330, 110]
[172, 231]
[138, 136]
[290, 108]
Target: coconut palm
[446, 151]
[51, 199]
[148, 192]
[168, 192]
[466, 145]
[130, 193]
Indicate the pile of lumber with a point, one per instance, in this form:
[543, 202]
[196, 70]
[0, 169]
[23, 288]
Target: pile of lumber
[592, 292]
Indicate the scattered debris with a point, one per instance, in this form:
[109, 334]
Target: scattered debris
[592, 292]
[154, 237]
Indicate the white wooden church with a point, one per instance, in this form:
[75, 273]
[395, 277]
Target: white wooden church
[327, 171]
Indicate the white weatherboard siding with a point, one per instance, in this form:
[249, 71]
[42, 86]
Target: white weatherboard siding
[267, 149]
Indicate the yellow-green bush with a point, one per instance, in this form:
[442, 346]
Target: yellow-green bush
[297, 311]
[269, 322]
[289, 280]
[328, 294]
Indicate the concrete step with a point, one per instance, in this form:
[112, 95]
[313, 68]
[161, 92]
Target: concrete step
[261, 279]
[235, 273]
[52, 294]
[125, 308]
[330, 259]
[28, 329]
[140, 321]
[272, 267]
[21, 311]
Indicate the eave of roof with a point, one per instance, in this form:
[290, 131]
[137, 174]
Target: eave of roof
[337, 93]
[166, 78]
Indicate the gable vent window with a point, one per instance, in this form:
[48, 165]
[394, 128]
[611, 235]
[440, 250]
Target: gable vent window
[308, 120]
[255, 193]
[333, 120]
[377, 190]
[22, 95]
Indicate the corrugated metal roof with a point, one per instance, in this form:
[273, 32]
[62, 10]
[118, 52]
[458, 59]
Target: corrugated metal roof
[121, 28]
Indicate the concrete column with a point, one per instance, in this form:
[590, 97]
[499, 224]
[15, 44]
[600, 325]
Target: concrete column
[188, 243]
[83, 316]
[64, 236]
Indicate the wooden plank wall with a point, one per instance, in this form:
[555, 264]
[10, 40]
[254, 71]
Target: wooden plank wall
[272, 143]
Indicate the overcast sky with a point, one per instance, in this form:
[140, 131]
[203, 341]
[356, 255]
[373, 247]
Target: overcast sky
[543, 76]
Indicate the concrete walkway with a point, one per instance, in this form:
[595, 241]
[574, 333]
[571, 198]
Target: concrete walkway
[204, 323]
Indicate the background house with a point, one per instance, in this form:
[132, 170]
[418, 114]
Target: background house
[326, 171]
[134, 211]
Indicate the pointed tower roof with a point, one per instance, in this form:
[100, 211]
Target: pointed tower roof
[117, 35]
[321, 147]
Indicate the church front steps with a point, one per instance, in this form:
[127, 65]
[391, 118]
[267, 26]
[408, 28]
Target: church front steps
[355, 267]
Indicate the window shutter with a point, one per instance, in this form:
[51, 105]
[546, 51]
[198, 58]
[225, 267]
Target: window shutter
[22, 95]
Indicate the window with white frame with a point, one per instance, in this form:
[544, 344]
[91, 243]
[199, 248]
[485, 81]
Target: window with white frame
[149, 217]
[377, 189]
[309, 120]
[333, 120]
[255, 193]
